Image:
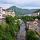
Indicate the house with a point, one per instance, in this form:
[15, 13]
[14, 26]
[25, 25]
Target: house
[36, 13]
[4, 13]
[10, 12]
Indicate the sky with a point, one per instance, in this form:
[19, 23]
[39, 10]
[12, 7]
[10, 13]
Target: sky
[25, 4]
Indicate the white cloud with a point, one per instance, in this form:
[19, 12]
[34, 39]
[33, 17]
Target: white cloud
[5, 6]
[20, 3]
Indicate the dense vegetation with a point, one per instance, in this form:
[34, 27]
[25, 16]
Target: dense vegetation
[13, 22]
[9, 29]
[31, 35]
[30, 18]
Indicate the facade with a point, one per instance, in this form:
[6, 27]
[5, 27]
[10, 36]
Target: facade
[10, 12]
[39, 13]
[35, 14]
[4, 13]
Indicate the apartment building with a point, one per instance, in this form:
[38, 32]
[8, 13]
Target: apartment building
[36, 13]
[10, 12]
[4, 13]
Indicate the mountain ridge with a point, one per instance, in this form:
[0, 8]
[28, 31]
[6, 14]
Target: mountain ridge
[20, 11]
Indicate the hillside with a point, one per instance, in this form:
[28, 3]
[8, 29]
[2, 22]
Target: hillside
[20, 11]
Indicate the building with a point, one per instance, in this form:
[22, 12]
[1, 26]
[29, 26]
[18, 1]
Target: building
[10, 12]
[36, 13]
[4, 13]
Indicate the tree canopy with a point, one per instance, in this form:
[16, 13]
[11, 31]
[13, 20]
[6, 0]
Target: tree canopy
[9, 29]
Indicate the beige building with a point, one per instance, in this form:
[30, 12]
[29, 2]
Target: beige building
[35, 14]
[10, 12]
[4, 13]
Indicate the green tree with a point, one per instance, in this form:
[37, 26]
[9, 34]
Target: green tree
[9, 28]
[31, 35]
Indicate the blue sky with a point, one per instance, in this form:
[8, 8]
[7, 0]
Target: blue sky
[26, 4]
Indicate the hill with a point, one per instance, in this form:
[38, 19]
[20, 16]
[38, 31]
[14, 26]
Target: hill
[20, 11]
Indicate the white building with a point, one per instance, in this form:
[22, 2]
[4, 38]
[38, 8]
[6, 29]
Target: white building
[2, 14]
[10, 12]
[37, 13]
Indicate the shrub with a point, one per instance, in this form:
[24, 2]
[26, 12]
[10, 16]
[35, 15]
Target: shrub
[31, 35]
[7, 31]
